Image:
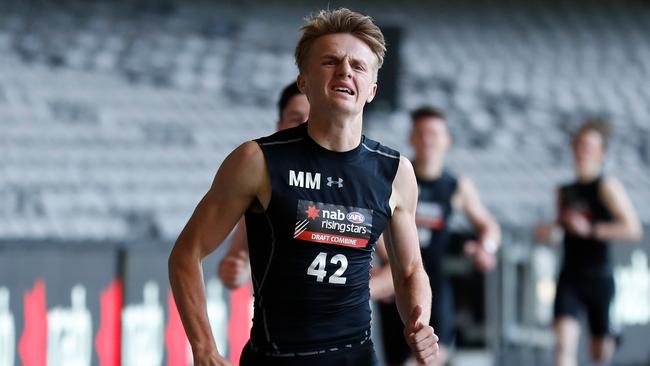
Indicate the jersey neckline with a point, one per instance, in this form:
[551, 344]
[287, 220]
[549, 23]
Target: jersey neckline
[330, 154]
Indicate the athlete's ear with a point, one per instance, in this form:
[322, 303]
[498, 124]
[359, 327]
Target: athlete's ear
[372, 91]
[300, 81]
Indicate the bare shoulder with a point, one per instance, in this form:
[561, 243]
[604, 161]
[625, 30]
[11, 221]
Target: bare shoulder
[405, 170]
[405, 188]
[466, 192]
[243, 172]
[465, 183]
[611, 190]
[248, 153]
[246, 158]
[405, 177]
[610, 183]
[614, 196]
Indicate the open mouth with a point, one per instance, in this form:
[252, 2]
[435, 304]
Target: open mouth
[344, 90]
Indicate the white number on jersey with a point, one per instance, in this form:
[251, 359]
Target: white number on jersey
[317, 268]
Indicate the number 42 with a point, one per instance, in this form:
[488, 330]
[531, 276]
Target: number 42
[317, 268]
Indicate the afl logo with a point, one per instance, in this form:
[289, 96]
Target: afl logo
[356, 217]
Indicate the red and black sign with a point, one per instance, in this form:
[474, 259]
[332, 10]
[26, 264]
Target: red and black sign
[430, 215]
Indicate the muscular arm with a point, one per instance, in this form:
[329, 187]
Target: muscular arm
[412, 289]
[409, 278]
[241, 178]
[469, 201]
[625, 225]
[489, 233]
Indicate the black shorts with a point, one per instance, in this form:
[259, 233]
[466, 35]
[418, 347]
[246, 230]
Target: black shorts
[396, 349]
[593, 293]
[358, 355]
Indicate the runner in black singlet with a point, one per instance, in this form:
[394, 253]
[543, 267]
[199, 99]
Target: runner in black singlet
[234, 268]
[316, 199]
[440, 192]
[591, 212]
[326, 210]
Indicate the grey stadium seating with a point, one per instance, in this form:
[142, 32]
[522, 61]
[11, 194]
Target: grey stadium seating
[114, 119]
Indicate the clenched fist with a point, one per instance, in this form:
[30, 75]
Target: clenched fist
[234, 270]
[421, 338]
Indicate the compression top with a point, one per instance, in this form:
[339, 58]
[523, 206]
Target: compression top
[311, 249]
[585, 255]
[433, 213]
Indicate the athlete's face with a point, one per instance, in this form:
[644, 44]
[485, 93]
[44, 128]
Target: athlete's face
[339, 75]
[588, 152]
[295, 113]
[429, 138]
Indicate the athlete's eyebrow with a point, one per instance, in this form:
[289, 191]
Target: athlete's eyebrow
[338, 57]
[331, 56]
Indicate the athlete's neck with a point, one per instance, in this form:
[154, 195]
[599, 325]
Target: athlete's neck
[430, 168]
[335, 134]
[586, 177]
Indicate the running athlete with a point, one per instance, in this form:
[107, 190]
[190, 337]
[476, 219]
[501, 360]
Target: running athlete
[441, 193]
[316, 198]
[591, 212]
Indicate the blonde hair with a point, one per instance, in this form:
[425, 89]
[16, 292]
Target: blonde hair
[340, 21]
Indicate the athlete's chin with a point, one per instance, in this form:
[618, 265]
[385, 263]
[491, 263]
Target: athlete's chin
[344, 107]
[586, 166]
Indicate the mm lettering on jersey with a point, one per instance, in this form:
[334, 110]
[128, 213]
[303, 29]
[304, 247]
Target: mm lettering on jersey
[304, 179]
[326, 223]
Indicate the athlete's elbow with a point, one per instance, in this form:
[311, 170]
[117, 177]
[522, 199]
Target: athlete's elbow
[174, 262]
[636, 233]
[179, 258]
[412, 278]
[630, 233]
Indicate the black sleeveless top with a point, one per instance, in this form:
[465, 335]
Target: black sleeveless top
[311, 249]
[433, 212]
[585, 255]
